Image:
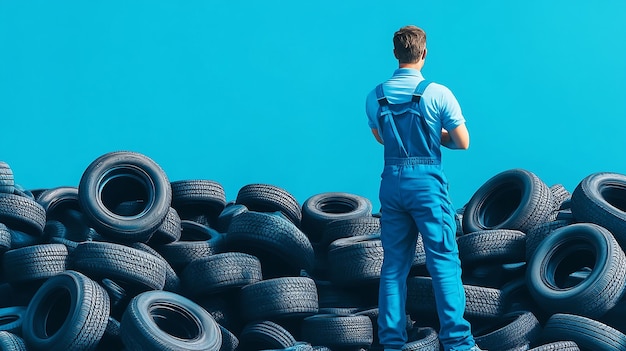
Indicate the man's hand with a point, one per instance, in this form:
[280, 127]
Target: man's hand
[377, 136]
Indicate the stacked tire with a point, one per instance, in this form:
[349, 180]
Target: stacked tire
[129, 260]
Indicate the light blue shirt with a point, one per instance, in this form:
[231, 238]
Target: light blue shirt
[441, 107]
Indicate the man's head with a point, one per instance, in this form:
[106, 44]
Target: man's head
[409, 45]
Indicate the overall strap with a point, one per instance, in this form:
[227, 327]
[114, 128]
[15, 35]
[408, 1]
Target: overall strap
[386, 113]
[417, 96]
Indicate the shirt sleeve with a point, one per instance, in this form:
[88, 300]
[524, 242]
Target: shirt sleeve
[371, 109]
[451, 114]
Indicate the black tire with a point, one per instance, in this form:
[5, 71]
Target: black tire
[61, 204]
[568, 250]
[68, 312]
[162, 320]
[510, 332]
[587, 333]
[560, 194]
[197, 241]
[169, 231]
[229, 341]
[119, 177]
[172, 281]
[422, 339]
[5, 238]
[226, 216]
[557, 346]
[515, 199]
[11, 319]
[355, 260]
[199, 193]
[56, 200]
[263, 335]
[278, 298]
[535, 235]
[11, 342]
[277, 243]
[492, 246]
[270, 198]
[321, 209]
[133, 269]
[338, 331]
[22, 214]
[220, 272]
[7, 180]
[345, 228]
[600, 198]
[34, 263]
[481, 302]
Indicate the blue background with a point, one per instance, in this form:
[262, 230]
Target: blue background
[273, 92]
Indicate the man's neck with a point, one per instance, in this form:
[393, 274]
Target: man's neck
[418, 65]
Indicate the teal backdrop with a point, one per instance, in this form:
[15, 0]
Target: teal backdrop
[273, 92]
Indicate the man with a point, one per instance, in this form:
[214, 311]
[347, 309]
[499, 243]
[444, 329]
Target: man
[413, 119]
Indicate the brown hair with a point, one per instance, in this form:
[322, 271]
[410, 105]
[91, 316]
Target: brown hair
[409, 43]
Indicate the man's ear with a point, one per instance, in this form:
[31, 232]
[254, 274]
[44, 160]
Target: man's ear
[395, 54]
[424, 54]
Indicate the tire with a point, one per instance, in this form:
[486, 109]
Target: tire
[11, 319]
[422, 339]
[277, 243]
[515, 199]
[535, 235]
[345, 228]
[338, 331]
[512, 331]
[355, 260]
[264, 335]
[198, 197]
[162, 320]
[481, 302]
[56, 200]
[492, 246]
[600, 198]
[559, 194]
[34, 263]
[169, 231]
[61, 204]
[587, 333]
[221, 272]
[22, 214]
[138, 270]
[7, 181]
[229, 341]
[5, 238]
[321, 209]
[172, 281]
[278, 298]
[197, 241]
[226, 216]
[119, 177]
[270, 198]
[68, 312]
[568, 250]
[557, 346]
[11, 342]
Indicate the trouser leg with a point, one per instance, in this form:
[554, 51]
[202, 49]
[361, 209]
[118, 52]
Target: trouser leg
[399, 235]
[435, 219]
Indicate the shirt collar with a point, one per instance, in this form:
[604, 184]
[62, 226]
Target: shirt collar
[407, 72]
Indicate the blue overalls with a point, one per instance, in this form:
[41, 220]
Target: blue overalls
[414, 198]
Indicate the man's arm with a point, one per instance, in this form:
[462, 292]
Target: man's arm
[377, 136]
[457, 138]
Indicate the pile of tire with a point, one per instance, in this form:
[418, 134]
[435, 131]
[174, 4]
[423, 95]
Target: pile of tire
[128, 260]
